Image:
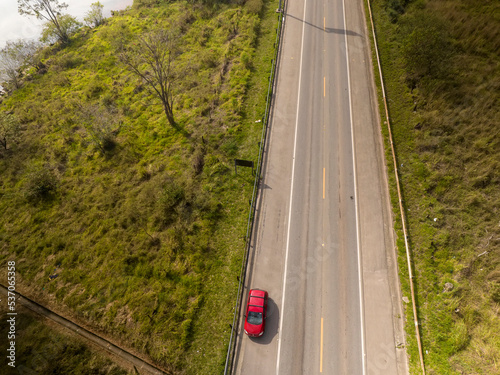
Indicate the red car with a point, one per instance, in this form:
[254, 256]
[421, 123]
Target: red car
[255, 317]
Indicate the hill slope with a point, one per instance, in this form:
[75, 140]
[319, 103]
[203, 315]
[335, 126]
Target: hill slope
[442, 68]
[143, 238]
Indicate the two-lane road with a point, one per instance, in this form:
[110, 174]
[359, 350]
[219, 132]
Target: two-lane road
[312, 228]
[320, 325]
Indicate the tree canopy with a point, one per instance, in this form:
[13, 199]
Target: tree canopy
[50, 11]
[68, 25]
[94, 16]
[13, 57]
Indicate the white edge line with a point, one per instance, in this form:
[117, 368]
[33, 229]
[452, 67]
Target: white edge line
[291, 195]
[360, 275]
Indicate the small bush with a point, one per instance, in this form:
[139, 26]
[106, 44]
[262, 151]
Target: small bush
[426, 50]
[69, 61]
[94, 89]
[198, 161]
[246, 59]
[171, 196]
[208, 59]
[254, 6]
[101, 125]
[41, 184]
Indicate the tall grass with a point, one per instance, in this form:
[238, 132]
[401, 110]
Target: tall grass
[147, 237]
[446, 127]
[41, 348]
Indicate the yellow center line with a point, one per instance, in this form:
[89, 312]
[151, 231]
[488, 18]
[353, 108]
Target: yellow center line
[323, 183]
[321, 349]
[324, 172]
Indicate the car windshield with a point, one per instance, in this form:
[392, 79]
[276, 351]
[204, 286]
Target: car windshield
[254, 317]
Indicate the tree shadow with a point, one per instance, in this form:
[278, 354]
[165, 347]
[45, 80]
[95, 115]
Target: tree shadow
[181, 129]
[329, 30]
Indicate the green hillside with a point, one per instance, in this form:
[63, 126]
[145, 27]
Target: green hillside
[441, 67]
[140, 224]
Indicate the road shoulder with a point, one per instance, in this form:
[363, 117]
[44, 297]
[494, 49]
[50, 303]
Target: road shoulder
[383, 315]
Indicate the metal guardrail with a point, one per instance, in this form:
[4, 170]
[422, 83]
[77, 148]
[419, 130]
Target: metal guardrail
[251, 215]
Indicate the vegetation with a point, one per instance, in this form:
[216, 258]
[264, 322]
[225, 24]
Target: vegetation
[442, 76]
[9, 129]
[94, 16]
[66, 26]
[150, 57]
[58, 26]
[44, 350]
[16, 55]
[143, 223]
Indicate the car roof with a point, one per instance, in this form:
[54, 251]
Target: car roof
[256, 300]
[257, 292]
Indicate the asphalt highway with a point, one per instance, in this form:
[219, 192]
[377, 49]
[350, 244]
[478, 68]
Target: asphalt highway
[323, 245]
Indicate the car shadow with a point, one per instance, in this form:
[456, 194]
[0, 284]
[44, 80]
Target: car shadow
[272, 324]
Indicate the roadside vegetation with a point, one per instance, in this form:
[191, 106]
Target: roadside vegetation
[42, 349]
[441, 67]
[118, 218]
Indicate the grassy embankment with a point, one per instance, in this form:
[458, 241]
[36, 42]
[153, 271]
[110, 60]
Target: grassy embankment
[42, 348]
[146, 236]
[442, 74]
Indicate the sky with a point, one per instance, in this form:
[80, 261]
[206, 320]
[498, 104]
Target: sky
[13, 26]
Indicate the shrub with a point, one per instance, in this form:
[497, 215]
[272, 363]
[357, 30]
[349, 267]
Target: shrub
[171, 196]
[101, 125]
[254, 6]
[69, 61]
[395, 8]
[198, 161]
[41, 184]
[426, 49]
[246, 59]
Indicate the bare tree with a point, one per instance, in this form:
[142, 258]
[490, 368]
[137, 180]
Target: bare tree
[94, 16]
[48, 10]
[9, 129]
[151, 59]
[13, 57]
